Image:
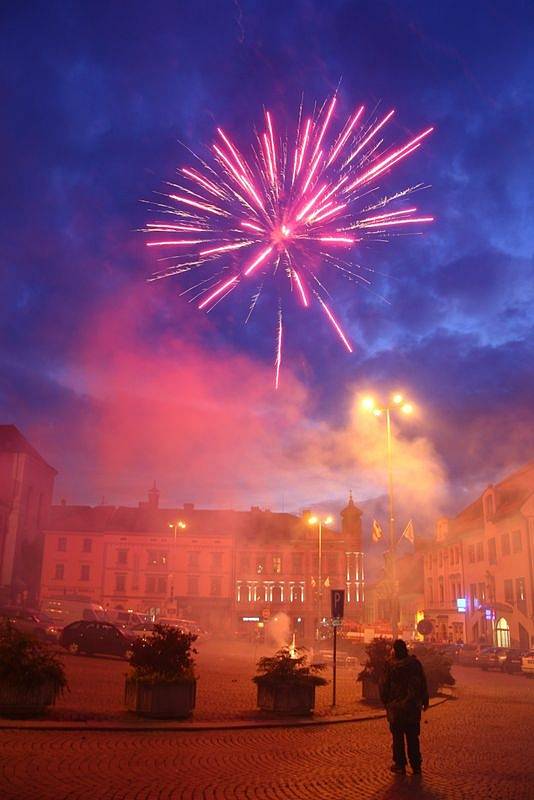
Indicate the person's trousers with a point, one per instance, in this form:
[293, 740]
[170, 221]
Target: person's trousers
[410, 734]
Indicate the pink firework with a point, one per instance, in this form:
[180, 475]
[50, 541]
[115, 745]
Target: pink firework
[296, 205]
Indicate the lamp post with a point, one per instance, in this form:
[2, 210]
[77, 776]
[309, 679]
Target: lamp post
[397, 403]
[175, 525]
[319, 521]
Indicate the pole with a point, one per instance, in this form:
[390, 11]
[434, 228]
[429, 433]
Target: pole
[334, 667]
[320, 572]
[392, 542]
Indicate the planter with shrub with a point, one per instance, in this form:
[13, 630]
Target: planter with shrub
[437, 667]
[377, 653]
[163, 682]
[286, 683]
[31, 674]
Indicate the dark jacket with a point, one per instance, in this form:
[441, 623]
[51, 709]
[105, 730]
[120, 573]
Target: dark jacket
[403, 690]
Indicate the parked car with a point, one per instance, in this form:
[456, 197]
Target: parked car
[125, 619]
[491, 658]
[187, 625]
[144, 630]
[65, 611]
[468, 654]
[96, 637]
[527, 664]
[512, 661]
[35, 623]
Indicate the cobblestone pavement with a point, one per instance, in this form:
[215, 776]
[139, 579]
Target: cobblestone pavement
[478, 747]
[225, 688]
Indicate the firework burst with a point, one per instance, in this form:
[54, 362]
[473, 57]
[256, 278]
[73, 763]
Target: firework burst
[289, 208]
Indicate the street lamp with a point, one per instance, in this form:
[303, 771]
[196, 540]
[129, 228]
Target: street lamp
[397, 403]
[319, 521]
[179, 524]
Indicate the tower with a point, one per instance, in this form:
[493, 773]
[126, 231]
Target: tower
[351, 529]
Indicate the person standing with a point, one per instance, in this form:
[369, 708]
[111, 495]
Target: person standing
[404, 692]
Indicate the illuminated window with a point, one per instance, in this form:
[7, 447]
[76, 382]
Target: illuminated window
[277, 564]
[260, 565]
[521, 594]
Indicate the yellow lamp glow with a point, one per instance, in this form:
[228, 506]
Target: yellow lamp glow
[312, 520]
[407, 408]
[328, 521]
[397, 399]
[368, 403]
[377, 412]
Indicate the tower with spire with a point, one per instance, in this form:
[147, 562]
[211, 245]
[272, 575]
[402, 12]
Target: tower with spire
[351, 529]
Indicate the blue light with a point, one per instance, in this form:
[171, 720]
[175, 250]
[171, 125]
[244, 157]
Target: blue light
[461, 604]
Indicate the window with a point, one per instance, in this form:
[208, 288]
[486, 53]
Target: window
[441, 590]
[244, 561]
[492, 551]
[297, 563]
[430, 590]
[87, 545]
[216, 560]
[161, 587]
[505, 544]
[157, 558]
[122, 556]
[192, 585]
[471, 553]
[489, 506]
[150, 585]
[517, 545]
[260, 565]
[277, 564]
[120, 583]
[192, 560]
[85, 572]
[521, 594]
[62, 544]
[440, 558]
[457, 555]
[480, 551]
[473, 595]
[429, 564]
[216, 587]
[59, 574]
[509, 591]
[481, 592]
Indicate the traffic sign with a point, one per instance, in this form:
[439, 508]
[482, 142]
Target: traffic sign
[337, 622]
[337, 599]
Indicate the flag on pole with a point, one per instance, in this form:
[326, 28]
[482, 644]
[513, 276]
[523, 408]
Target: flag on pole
[408, 532]
[377, 531]
[327, 581]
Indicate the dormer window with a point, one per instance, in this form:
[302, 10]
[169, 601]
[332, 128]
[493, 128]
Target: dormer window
[489, 505]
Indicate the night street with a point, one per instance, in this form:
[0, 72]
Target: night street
[478, 746]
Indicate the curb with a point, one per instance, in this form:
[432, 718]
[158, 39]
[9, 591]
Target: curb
[112, 726]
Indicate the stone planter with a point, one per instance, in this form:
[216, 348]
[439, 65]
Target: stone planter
[288, 698]
[17, 702]
[160, 700]
[370, 691]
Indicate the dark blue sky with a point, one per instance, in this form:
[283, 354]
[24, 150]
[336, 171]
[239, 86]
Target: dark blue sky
[118, 381]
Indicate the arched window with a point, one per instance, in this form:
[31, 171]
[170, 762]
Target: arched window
[503, 633]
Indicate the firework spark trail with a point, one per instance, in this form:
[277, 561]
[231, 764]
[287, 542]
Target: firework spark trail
[293, 203]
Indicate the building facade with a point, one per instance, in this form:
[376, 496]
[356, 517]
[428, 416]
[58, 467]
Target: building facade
[479, 584]
[230, 570]
[26, 487]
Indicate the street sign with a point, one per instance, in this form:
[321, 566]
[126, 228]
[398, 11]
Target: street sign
[337, 599]
[425, 627]
[337, 622]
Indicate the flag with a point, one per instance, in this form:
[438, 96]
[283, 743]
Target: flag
[327, 582]
[377, 531]
[408, 532]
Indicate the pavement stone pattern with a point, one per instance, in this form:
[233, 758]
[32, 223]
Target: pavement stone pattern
[225, 689]
[476, 747]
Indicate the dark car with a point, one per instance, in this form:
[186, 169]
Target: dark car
[468, 654]
[512, 661]
[34, 623]
[96, 637]
[491, 658]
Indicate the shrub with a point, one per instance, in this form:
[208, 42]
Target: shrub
[437, 667]
[285, 668]
[167, 656]
[378, 652]
[28, 664]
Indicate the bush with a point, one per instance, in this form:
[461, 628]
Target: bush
[284, 668]
[378, 652]
[437, 667]
[27, 664]
[167, 656]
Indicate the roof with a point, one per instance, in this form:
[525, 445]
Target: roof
[12, 441]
